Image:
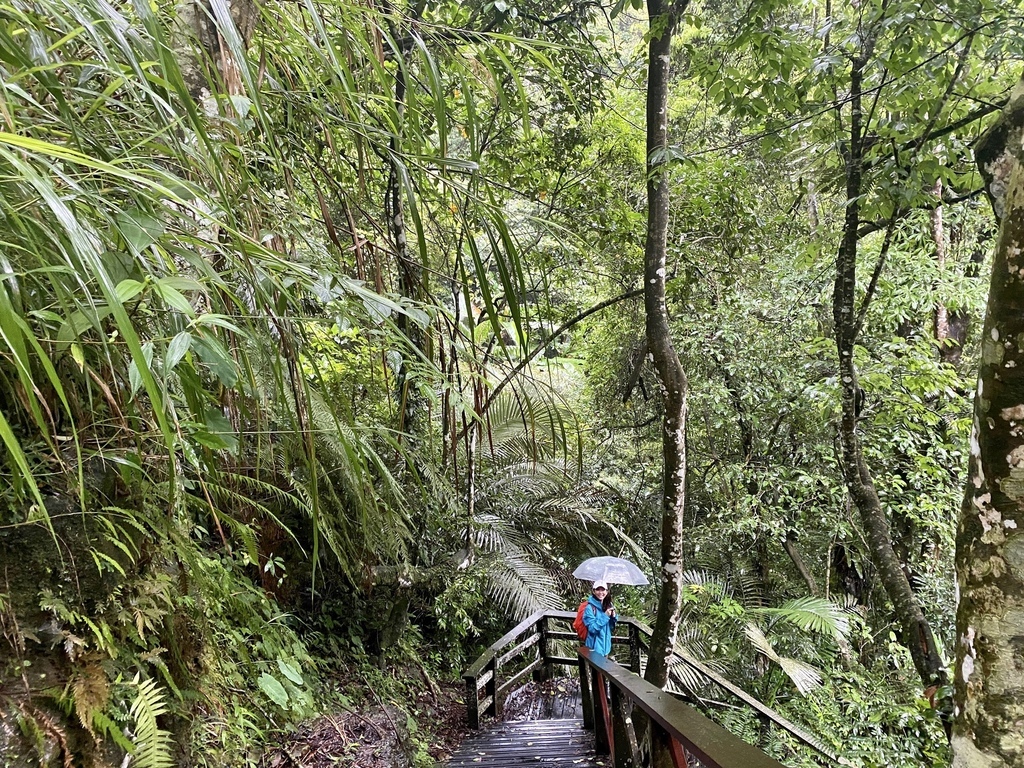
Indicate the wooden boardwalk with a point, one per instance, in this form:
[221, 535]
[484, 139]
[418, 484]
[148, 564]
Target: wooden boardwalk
[555, 743]
[543, 727]
[554, 699]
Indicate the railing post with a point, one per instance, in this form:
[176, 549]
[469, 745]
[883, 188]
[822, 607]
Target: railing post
[634, 648]
[496, 705]
[472, 703]
[627, 752]
[586, 694]
[543, 672]
[666, 752]
[602, 735]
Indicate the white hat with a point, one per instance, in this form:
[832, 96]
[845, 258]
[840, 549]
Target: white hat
[598, 585]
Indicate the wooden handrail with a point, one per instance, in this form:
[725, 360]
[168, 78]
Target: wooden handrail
[485, 671]
[490, 679]
[679, 724]
[762, 710]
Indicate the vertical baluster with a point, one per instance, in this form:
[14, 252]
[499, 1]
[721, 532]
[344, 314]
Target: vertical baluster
[627, 752]
[543, 672]
[491, 687]
[666, 752]
[634, 648]
[472, 703]
[586, 694]
[496, 708]
[602, 736]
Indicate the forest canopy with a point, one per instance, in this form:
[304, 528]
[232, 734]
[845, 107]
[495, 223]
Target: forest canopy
[335, 334]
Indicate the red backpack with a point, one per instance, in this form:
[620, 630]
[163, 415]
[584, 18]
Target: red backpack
[578, 625]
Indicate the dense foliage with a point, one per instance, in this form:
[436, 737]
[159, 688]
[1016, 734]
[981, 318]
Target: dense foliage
[322, 357]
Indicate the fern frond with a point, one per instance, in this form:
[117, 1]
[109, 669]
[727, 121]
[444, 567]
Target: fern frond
[152, 744]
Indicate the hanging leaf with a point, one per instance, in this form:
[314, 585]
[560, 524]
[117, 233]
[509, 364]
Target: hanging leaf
[290, 671]
[135, 377]
[176, 350]
[216, 356]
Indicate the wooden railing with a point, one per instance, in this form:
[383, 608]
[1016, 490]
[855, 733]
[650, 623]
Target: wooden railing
[528, 647]
[679, 734]
[546, 639]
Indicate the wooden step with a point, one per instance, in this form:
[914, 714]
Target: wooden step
[555, 743]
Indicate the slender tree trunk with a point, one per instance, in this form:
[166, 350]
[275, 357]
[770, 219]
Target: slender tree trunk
[195, 19]
[789, 544]
[410, 269]
[941, 317]
[959, 320]
[671, 377]
[988, 730]
[916, 632]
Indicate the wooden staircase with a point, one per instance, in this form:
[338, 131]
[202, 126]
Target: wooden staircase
[614, 701]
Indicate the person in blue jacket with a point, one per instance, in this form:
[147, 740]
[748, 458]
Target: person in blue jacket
[600, 621]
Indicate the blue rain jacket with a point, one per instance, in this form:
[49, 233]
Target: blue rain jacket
[599, 627]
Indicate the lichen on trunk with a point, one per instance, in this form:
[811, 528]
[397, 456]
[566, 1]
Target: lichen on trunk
[989, 723]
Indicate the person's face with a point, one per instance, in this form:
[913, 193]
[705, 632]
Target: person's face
[600, 592]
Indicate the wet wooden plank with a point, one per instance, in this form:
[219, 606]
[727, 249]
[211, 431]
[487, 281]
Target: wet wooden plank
[551, 743]
[554, 699]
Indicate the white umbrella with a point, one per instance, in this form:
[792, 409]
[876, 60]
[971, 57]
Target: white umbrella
[611, 570]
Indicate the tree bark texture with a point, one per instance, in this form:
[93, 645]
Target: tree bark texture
[196, 19]
[989, 687]
[789, 544]
[671, 377]
[915, 630]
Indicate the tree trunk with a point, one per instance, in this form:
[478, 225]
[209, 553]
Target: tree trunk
[789, 544]
[915, 630]
[672, 379]
[947, 347]
[410, 274]
[196, 19]
[990, 538]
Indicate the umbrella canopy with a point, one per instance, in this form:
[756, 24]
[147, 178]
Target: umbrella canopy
[613, 570]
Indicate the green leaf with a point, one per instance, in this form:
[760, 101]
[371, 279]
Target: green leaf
[174, 298]
[176, 350]
[15, 452]
[78, 322]
[179, 283]
[378, 307]
[127, 290]
[219, 321]
[140, 230]
[271, 686]
[219, 431]
[135, 376]
[217, 358]
[290, 671]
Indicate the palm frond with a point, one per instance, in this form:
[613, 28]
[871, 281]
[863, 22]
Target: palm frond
[811, 614]
[805, 677]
